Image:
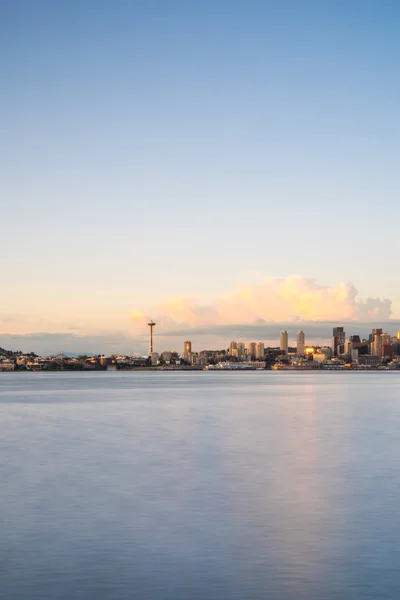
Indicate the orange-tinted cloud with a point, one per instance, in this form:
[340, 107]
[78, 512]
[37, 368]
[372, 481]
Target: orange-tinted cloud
[294, 298]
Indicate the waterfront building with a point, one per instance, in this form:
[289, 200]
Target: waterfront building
[284, 342]
[155, 359]
[300, 343]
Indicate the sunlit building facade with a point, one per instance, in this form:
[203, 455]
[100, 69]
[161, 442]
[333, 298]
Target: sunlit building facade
[300, 343]
[260, 350]
[284, 342]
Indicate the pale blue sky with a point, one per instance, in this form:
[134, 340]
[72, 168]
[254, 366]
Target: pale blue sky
[159, 148]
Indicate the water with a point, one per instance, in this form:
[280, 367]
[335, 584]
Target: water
[180, 486]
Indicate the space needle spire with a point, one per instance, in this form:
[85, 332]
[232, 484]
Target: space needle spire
[151, 324]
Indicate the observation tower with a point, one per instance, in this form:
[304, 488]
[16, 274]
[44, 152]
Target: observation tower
[151, 324]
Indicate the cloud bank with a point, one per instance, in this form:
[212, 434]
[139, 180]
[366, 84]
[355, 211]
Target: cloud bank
[290, 300]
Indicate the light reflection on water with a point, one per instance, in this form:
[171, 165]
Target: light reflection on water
[200, 485]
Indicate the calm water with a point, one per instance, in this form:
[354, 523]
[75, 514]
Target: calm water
[179, 486]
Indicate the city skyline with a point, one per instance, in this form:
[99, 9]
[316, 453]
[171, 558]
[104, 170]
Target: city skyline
[317, 334]
[206, 166]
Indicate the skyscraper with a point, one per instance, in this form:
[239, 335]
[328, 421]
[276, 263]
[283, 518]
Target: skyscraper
[187, 349]
[233, 351]
[300, 343]
[284, 342]
[252, 350]
[260, 350]
[240, 349]
[338, 340]
[398, 335]
[376, 346]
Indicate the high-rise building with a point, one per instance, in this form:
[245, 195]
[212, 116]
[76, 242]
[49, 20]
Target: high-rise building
[233, 351]
[300, 343]
[338, 340]
[187, 348]
[252, 350]
[284, 342]
[386, 344]
[260, 350]
[240, 349]
[398, 335]
[376, 346]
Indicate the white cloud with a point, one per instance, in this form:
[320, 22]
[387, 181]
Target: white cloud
[295, 298]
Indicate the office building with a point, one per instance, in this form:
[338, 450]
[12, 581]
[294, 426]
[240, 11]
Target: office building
[284, 342]
[338, 340]
[376, 346]
[355, 339]
[300, 343]
[187, 348]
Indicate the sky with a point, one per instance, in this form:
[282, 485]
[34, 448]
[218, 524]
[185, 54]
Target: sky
[212, 165]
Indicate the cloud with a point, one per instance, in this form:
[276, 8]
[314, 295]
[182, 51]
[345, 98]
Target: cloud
[290, 300]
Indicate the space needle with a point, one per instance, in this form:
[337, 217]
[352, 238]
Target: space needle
[151, 324]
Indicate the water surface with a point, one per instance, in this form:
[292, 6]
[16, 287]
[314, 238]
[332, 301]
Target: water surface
[179, 486]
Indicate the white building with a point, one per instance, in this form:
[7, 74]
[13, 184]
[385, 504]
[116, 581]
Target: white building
[240, 349]
[300, 343]
[284, 342]
[252, 349]
[233, 351]
[260, 350]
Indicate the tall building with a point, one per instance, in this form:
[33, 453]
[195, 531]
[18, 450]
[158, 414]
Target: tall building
[398, 335]
[260, 351]
[187, 348]
[233, 351]
[300, 343]
[284, 342]
[240, 349]
[386, 344]
[376, 346]
[252, 350]
[338, 340]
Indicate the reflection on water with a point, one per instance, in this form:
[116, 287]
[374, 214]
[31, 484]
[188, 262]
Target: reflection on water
[200, 485]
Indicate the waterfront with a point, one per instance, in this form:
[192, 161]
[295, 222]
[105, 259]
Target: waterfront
[200, 485]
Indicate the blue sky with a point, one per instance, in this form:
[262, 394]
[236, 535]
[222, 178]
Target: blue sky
[158, 150]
